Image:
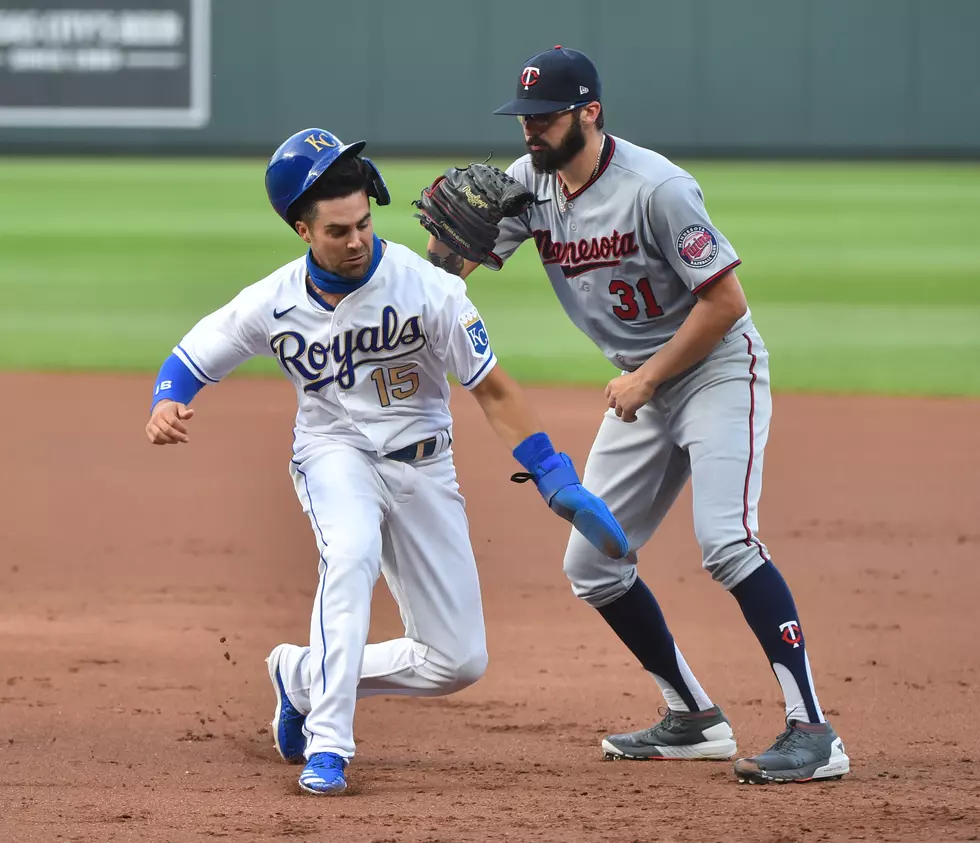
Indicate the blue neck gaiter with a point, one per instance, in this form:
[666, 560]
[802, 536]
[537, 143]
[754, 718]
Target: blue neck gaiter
[327, 282]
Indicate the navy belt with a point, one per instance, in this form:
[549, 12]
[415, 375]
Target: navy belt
[417, 451]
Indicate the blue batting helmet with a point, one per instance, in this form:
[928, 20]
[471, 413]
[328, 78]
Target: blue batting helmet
[302, 159]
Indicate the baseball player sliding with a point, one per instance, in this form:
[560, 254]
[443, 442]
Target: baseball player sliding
[639, 267]
[367, 331]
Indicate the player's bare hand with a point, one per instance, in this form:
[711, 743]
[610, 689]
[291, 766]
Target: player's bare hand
[166, 425]
[627, 393]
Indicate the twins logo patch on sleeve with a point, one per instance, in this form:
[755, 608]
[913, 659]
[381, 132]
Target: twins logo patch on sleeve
[697, 246]
[476, 331]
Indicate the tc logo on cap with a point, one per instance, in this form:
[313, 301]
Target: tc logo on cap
[530, 76]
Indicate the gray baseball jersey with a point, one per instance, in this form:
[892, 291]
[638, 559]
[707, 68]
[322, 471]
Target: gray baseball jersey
[627, 255]
[628, 252]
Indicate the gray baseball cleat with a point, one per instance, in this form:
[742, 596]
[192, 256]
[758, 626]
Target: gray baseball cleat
[700, 735]
[805, 752]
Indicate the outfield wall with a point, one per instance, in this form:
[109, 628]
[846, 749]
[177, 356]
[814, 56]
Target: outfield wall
[713, 77]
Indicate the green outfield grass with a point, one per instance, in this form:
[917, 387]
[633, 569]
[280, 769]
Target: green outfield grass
[861, 277]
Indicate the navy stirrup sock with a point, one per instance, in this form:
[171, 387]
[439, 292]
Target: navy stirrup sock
[636, 618]
[768, 606]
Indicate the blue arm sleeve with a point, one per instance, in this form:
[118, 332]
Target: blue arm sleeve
[176, 382]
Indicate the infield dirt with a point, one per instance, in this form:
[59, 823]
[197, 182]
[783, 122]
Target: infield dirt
[141, 589]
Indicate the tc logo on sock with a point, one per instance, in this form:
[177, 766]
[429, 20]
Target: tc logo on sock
[791, 633]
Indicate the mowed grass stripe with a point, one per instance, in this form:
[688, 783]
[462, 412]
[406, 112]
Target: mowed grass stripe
[862, 277]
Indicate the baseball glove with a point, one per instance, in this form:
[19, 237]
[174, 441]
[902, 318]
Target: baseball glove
[463, 207]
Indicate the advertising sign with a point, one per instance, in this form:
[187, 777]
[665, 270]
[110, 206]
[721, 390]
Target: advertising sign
[105, 63]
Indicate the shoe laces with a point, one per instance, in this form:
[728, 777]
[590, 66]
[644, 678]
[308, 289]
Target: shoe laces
[329, 761]
[790, 738]
[669, 723]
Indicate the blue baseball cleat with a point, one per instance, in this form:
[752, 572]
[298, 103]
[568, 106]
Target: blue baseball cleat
[324, 774]
[287, 725]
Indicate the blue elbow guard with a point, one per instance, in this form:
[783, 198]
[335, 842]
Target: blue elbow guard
[558, 482]
[176, 382]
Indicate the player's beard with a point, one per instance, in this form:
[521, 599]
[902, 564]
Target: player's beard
[552, 159]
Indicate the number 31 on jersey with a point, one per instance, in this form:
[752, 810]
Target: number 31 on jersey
[628, 308]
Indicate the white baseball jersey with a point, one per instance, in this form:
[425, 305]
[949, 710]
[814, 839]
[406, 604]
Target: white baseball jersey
[629, 251]
[373, 371]
[370, 378]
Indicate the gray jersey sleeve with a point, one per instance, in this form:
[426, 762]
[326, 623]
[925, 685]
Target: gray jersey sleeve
[679, 224]
[513, 230]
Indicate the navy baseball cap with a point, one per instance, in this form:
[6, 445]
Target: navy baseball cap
[554, 80]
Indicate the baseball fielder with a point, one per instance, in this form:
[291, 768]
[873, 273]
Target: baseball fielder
[367, 332]
[640, 268]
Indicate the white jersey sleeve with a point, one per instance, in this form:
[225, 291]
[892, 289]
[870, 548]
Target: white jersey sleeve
[513, 230]
[226, 338]
[679, 224]
[460, 337]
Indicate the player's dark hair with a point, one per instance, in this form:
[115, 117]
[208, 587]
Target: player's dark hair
[600, 121]
[344, 177]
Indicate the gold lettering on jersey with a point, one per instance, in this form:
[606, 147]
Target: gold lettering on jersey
[319, 142]
[578, 256]
[390, 340]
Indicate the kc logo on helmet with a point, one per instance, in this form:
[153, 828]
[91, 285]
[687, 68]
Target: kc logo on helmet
[791, 633]
[319, 141]
[530, 76]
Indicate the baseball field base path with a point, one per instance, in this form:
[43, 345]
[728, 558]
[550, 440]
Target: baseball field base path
[141, 591]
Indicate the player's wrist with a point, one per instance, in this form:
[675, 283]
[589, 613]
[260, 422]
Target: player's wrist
[649, 374]
[160, 406]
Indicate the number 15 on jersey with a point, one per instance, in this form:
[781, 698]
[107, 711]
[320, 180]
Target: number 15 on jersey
[401, 383]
